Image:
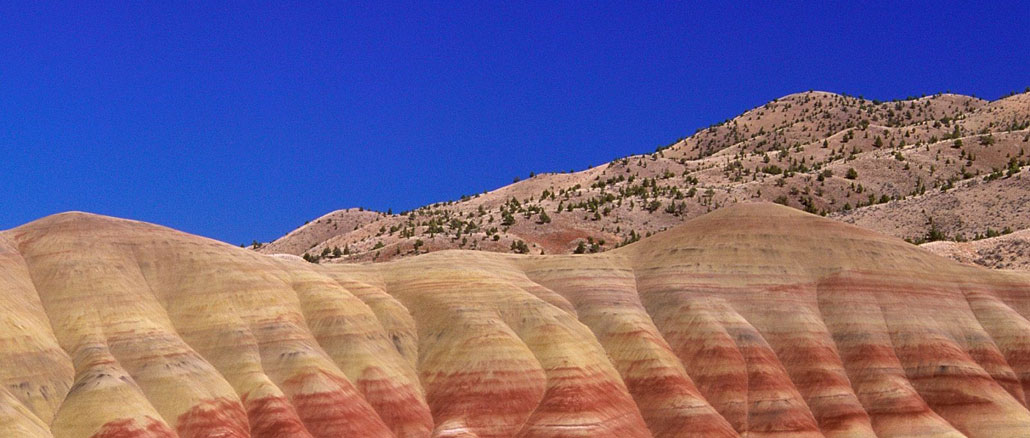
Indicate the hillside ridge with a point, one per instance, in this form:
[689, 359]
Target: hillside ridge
[821, 152]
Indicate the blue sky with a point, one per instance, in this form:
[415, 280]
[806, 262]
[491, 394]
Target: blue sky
[241, 122]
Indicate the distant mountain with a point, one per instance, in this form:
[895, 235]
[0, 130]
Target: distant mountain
[941, 167]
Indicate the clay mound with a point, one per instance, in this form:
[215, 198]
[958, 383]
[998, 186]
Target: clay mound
[756, 320]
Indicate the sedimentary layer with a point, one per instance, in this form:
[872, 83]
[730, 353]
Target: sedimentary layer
[756, 320]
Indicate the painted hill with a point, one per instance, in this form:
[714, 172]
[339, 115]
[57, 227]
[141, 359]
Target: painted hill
[901, 167]
[755, 320]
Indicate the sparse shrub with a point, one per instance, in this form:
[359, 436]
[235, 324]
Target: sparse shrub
[519, 247]
[507, 219]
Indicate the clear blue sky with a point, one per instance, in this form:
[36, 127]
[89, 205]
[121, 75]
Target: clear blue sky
[241, 123]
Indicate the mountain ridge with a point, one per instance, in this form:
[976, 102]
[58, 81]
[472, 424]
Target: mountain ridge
[816, 151]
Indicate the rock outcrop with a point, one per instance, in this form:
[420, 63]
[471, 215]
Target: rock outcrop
[756, 320]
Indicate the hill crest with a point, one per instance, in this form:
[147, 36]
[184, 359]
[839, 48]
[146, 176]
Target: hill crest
[816, 151]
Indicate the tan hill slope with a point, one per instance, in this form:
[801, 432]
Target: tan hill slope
[974, 209]
[756, 320]
[1010, 251]
[820, 152]
[319, 230]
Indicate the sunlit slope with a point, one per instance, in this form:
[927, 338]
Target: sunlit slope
[936, 167]
[756, 320]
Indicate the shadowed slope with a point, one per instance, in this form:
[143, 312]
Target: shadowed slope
[756, 320]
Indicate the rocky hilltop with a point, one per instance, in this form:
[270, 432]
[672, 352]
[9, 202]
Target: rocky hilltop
[945, 167]
[755, 320]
